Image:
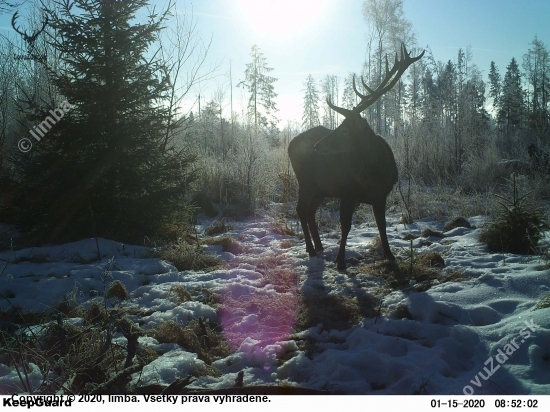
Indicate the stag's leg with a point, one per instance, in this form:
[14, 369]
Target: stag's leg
[312, 224]
[302, 210]
[379, 210]
[346, 213]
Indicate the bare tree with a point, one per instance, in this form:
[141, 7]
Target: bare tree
[26, 62]
[184, 52]
[7, 6]
[536, 63]
[7, 93]
[349, 98]
[388, 29]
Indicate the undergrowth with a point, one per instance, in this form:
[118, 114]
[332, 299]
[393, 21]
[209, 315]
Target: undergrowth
[518, 226]
[198, 336]
[187, 257]
[94, 348]
[227, 243]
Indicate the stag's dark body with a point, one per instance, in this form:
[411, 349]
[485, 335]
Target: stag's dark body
[364, 174]
[351, 162]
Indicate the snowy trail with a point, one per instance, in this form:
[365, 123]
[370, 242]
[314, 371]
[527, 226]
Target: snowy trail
[448, 335]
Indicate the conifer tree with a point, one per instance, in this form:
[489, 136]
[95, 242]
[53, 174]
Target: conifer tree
[329, 86]
[494, 86]
[512, 104]
[388, 28]
[536, 63]
[311, 104]
[101, 169]
[261, 104]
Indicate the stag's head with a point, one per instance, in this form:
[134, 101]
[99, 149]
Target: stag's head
[29, 38]
[346, 137]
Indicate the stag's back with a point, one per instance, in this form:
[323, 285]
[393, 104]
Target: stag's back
[367, 174]
[302, 153]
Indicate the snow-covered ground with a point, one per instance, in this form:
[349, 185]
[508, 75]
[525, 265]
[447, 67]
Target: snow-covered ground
[481, 335]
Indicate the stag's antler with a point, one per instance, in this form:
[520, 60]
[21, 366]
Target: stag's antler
[29, 39]
[394, 75]
[391, 77]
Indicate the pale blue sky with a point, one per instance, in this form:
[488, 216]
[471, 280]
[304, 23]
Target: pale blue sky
[321, 37]
[495, 29]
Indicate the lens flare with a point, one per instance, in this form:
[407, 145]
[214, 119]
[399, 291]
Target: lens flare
[253, 319]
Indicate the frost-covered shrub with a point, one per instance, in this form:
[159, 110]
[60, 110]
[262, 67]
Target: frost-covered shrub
[238, 167]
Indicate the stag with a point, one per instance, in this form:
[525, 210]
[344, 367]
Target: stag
[351, 163]
[29, 39]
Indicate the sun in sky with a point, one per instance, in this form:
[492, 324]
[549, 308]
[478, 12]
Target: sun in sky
[281, 19]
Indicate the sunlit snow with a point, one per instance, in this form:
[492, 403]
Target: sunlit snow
[456, 327]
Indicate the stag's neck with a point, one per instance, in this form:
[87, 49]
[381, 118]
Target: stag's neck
[366, 127]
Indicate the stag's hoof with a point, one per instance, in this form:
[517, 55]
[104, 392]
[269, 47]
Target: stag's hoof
[312, 253]
[341, 265]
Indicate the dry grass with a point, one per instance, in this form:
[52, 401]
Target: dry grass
[198, 337]
[95, 314]
[430, 232]
[280, 226]
[275, 315]
[84, 358]
[282, 279]
[457, 222]
[402, 311]
[376, 246]
[390, 271]
[441, 201]
[455, 276]
[228, 244]
[334, 312]
[77, 358]
[423, 270]
[179, 294]
[286, 244]
[543, 303]
[117, 290]
[207, 297]
[270, 260]
[430, 260]
[217, 227]
[187, 257]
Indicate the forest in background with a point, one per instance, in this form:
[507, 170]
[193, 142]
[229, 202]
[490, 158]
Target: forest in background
[127, 163]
